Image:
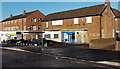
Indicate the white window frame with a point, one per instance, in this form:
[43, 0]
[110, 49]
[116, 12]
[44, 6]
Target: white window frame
[47, 25]
[34, 20]
[113, 33]
[116, 19]
[39, 19]
[89, 19]
[34, 27]
[18, 20]
[103, 33]
[57, 22]
[76, 20]
[24, 20]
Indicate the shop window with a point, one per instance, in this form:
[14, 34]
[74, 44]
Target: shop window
[55, 35]
[47, 36]
[73, 36]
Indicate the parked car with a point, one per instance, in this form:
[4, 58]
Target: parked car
[22, 41]
[11, 41]
[36, 41]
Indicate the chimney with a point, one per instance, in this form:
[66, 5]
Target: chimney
[107, 2]
[24, 12]
[11, 15]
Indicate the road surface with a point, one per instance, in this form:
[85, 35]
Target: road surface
[21, 59]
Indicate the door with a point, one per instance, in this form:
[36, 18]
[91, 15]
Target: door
[81, 37]
[68, 37]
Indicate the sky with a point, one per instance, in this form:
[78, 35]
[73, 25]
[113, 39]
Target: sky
[16, 8]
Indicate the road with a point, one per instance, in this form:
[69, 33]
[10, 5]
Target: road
[85, 54]
[21, 59]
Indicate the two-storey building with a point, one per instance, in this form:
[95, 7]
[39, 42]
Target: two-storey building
[82, 25]
[26, 25]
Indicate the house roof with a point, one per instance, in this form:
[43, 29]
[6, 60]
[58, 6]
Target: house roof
[19, 16]
[116, 12]
[80, 12]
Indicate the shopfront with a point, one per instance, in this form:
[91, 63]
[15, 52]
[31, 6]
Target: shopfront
[68, 37]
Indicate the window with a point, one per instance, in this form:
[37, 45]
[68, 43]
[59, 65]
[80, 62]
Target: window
[39, 27]
[76, 20]
[14, 21]
[103, 35]
[113, 33]
[14, 28]
[47, 36]
[88, 19]
[39, 19]
[57, 22]
[18, 27]
[32, 27]
[55, 35]
[46, 24]
[24, 27]
[8, 22]
[18, 20]
[33, 19]
[73, 36]
[9, 28]
[24, 20]
[82, 19]
[115, 19]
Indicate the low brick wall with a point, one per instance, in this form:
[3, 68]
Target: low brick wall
[117, 47]
[105, 44]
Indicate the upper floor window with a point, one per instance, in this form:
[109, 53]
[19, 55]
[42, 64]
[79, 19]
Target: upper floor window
[47, 25]
[57, 22]
[33, 27]
[103, 33]
[14, 21]
[115, 19]
[18, 20]
[39, 27]
[88, 19]
[33, 19]
[76, 20]
[8, 22]
[39, 19]
[24, 27]
[24, 20]
[18, 27]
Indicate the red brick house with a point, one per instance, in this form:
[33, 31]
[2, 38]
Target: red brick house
[83, 24]
[26, 23]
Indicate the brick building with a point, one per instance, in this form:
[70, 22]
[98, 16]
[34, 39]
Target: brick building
[23, 26]
[83, 24]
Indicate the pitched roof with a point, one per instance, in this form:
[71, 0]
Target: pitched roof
[19, 16]
[116, 12]
[80, 12]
